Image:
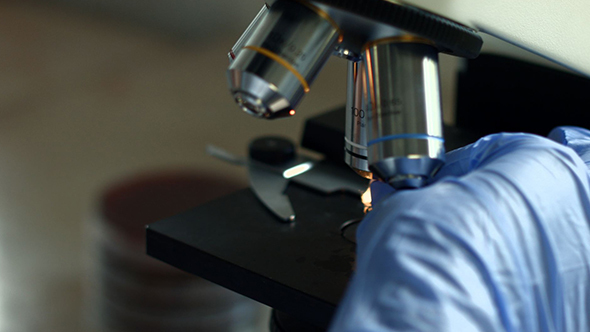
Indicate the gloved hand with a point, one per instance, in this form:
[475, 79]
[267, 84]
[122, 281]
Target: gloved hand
[499, 242]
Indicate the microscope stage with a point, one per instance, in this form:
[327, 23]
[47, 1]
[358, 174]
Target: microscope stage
[301, 268]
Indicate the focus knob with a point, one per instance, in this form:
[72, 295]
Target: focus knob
[272, 150]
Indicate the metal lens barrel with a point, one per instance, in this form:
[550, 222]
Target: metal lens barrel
[247, 33]
[355, 139]
[281, 58]
[405, 140]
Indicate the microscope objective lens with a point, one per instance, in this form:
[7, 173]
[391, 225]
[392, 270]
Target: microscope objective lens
[279, 57]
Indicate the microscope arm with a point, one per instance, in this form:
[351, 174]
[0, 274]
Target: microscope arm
[556, 30]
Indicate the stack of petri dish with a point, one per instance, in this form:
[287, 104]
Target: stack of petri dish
[130, 291]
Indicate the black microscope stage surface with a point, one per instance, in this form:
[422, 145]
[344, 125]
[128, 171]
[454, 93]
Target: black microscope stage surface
[300, 268]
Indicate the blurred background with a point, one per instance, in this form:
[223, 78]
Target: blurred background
[96, 92]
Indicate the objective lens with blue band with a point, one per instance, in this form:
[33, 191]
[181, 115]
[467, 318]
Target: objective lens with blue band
[404, 136]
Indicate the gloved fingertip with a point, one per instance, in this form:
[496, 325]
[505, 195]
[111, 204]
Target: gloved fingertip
[486, 149]
[456, 164]
[576, 138]
[566, 134]
[380, 190]
[557, 135]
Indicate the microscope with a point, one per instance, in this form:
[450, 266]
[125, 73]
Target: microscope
[390, 130]
[393, 112]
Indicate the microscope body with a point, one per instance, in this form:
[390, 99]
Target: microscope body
[394, 116]
[394, 119]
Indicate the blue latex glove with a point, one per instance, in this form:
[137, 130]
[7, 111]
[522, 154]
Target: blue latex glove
[499, 242]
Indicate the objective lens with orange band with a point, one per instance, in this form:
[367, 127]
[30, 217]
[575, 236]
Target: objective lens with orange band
[283, 63]
[282, 57]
